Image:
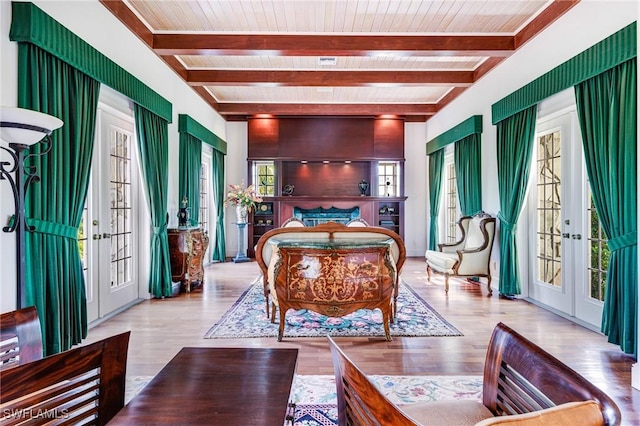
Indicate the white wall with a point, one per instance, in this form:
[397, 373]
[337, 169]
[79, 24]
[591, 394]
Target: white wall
[92, 22]
[416, 210]
[235, 172]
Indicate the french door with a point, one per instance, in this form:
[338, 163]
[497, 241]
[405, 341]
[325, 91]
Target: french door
[561, 239]
[109, 223]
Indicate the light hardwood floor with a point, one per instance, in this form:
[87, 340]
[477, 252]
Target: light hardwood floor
[159, 328]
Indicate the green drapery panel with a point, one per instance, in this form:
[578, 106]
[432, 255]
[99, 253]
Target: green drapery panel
[186, 124]
[610, 52]
[190, 158]
[514, 150]
[54, 280]
[607, 108]
[30, 24]
[468, 127]
[153, 144]
[436, 164]
[219, 252]
[468, 164]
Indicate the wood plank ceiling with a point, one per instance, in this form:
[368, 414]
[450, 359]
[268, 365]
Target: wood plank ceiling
[407, 58]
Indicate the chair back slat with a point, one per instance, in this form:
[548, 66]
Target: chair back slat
[523, 397]
[520, 377]
[85, 384]
[20, 337]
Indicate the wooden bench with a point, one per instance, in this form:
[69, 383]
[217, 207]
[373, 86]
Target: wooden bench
[20, 337]
[84, 385]
[522, 384]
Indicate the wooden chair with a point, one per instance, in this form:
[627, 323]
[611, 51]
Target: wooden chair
[522, 385]
[84, 385]
[20, 337]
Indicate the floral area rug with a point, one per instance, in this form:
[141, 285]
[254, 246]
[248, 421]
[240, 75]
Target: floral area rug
[316, 404]
[247, 318]
[315, 396]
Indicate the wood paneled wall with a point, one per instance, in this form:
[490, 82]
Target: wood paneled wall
[326, 138]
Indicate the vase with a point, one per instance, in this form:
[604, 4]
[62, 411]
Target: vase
[363, 186]
[242, 213]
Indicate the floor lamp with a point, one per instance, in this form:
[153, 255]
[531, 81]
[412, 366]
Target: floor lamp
[19, 129]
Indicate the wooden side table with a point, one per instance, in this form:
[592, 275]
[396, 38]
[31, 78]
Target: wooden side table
[186, 250]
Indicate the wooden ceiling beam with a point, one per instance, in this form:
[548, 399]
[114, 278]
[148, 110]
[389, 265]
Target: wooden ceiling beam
[325, 109]
[353, 78]
[331, 45]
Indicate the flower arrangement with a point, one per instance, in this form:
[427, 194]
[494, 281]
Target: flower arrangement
[239, 195]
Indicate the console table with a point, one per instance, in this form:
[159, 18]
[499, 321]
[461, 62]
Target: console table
[223, 386]
[334, 277]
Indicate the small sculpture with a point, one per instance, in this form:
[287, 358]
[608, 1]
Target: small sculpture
[183, 214]
[288, 190]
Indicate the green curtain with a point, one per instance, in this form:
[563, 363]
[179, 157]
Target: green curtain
[153, 145]
[515, 147]
[54, 280]
[468, 166]
[436, 164]
[219, 252]
[607, 108]
[189, 180]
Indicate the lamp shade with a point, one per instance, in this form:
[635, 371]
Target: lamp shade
[25, 126]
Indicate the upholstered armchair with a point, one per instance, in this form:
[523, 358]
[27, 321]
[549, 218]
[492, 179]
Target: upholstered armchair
[469, 256]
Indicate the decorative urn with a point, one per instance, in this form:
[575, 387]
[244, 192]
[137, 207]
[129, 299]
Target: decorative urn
[363, 186]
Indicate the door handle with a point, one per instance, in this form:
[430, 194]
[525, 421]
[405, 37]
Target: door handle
[565, 235]
[576, 236]
[97, 236]
[105, 235]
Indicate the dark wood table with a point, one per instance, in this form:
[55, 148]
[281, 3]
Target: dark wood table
[217, 386]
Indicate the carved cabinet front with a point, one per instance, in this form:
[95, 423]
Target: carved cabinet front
[186, 250]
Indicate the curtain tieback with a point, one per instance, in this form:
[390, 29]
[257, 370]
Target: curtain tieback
[157, 230]
[506, 225]
[53, 228]
[626, 240]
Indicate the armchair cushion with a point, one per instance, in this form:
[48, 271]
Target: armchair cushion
[447, 413]
[441, 262]
[584, 413]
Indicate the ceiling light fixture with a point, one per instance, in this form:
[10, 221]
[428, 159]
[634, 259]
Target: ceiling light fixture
[327, 61]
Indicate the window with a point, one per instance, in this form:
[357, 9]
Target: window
[451, 204]
[389, 179]
[203, 219]
[264, 178]
[549, 228]
[121, 204]
[599, 255]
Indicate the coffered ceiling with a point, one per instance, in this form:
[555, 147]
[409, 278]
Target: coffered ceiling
[334, 57]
